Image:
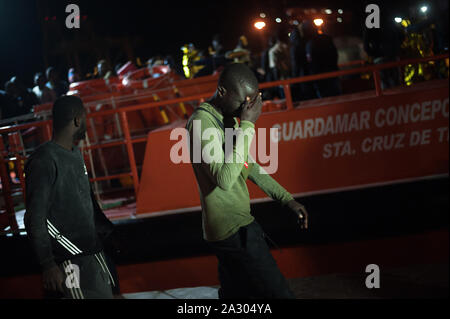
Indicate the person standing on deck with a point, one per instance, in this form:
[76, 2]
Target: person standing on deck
[64, 222]
[246, 266]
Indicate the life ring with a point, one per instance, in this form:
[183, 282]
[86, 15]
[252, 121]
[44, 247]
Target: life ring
[95, 85]
[145, 77]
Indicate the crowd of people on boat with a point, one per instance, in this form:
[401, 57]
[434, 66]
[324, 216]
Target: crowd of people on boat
[304, 50]
[301, 51]
[17, 99]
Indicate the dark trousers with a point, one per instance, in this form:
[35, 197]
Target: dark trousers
[93, 281]
[247, 268]
[305, 90]
[327, 87]
[273, 75]
[389, 77]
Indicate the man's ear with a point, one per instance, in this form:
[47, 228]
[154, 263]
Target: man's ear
[221, 91]
[77, 121]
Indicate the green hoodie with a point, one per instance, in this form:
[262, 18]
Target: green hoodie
[222, 183]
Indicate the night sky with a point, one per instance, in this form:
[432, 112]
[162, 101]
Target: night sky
[163, 25]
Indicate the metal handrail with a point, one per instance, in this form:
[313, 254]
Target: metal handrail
[308, 78]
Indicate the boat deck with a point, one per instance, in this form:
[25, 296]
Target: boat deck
[416, 281]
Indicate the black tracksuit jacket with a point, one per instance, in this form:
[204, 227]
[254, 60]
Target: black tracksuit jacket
[62, 217]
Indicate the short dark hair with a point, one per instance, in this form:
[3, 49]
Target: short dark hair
[49, 70]
[65, 109]
[37, 76]
[237, 74]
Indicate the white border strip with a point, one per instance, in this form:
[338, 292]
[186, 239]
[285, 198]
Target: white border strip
[105, 266]
[67, 244]
[77, 291]
[61, 242]
[65, 264]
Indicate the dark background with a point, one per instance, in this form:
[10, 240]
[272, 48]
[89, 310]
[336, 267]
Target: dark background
[152, 27]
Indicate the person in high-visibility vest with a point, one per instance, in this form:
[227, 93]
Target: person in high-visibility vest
[190, 56]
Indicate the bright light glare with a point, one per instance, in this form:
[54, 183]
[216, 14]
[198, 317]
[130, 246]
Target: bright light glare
[262, 15]
[328, 11]
[339, 19]
[340, 11]
[424, 9]
[318, 22]
[260, 25]
[278, 20]
[398, 20]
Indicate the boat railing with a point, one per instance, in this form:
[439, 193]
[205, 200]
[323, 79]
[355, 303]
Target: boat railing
[18, 153]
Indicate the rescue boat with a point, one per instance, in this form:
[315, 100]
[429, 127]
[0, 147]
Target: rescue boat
[365, 164]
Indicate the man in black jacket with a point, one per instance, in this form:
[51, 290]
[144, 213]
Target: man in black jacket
[63, 220]
[322, 57]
